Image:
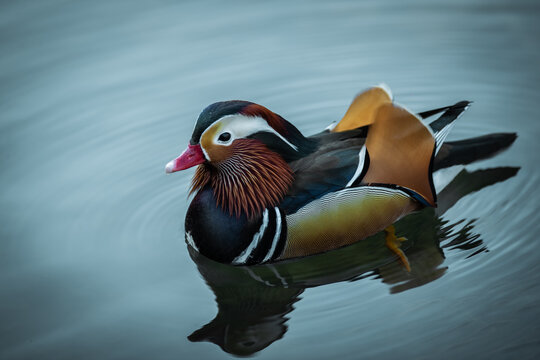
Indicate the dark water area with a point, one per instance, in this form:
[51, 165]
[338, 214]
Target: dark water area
[96, 97]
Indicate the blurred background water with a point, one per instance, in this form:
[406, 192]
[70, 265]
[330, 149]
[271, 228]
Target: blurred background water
[95, 98]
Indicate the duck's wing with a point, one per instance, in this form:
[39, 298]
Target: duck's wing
[376, 143]
[377, 178]
[328, 169]
[400, 149]
[395, 150]
[363, 109]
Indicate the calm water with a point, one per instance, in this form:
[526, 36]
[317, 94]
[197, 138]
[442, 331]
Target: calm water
[96, 97]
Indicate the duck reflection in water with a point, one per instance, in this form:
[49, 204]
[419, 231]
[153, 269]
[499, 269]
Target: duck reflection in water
[254, 301]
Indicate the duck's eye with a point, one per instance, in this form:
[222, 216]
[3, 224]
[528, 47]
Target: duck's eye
[224, 137]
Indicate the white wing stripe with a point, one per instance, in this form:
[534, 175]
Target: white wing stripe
[360, 168]
[276, 236]
[244, 255]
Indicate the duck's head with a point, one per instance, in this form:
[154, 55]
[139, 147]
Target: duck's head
[243, 150]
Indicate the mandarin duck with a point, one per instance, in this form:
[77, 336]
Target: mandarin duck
[264, 192]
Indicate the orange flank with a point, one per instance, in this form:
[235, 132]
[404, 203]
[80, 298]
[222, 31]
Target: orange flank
[363, 109]
[400, 149]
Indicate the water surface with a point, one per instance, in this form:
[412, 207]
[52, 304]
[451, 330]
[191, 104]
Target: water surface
[96, 97]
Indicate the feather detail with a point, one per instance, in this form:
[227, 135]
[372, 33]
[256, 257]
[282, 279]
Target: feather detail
[273, 119]
[250, 180]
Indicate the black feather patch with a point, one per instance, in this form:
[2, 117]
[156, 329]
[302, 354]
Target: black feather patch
[265, 243]
[319, 174]
[217, 235]
[450, 114]
[214, 112]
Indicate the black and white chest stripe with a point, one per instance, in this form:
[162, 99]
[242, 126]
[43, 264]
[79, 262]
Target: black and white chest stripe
[267, 243]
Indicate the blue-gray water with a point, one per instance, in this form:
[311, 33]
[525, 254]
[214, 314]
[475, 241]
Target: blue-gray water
[95, 98]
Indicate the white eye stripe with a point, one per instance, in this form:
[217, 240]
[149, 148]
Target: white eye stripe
[241, 126]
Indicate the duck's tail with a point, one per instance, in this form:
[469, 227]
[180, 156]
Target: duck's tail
[464, 151]
[469, 150]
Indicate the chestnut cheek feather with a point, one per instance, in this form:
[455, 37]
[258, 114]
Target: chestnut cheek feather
[249, 180]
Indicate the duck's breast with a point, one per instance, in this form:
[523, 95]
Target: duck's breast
[227, 238]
